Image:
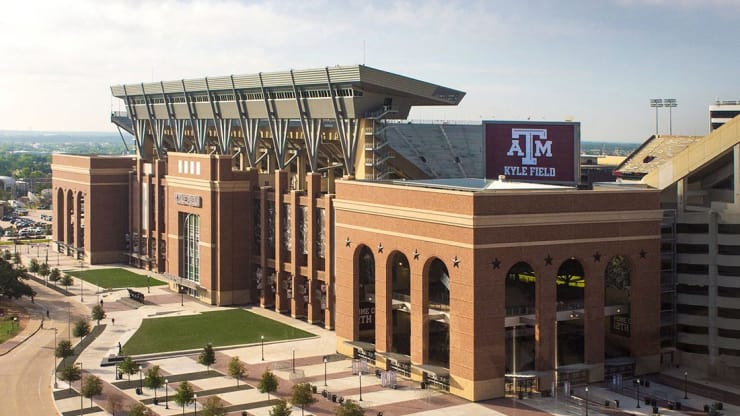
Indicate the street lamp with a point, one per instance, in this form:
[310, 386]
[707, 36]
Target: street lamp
[671, 104]
[166, 398]
[586, 400]
[262, 346]
[81, 283]
[293, 360]
[638, 393]
[360, 373]
[325, 361]
[195, 403]
[141, 382]
[55, 357]
[147, 284]
[685, 384]
[81, 377]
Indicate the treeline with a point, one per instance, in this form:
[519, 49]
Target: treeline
[25, 165]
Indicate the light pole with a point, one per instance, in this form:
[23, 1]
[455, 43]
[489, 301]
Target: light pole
[141, 382]
[81, 283]
[671, 104]
[638, 393]
[69, 323]
[55, 357]
[262, 346]
[656, 103]
[325, 361]
[166, 398]
[586, 400]
[81, 378]
[195, 403]
[685, 384]
[293, 360]
[147, 284]
[360, 373]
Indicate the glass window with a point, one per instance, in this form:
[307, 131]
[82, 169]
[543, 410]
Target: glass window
[190, 242]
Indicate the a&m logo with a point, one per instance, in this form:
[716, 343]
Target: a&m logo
[535, 145]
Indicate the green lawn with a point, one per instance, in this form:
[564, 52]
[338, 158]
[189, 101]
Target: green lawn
[114, 278]
[220, 328]
[8, 329]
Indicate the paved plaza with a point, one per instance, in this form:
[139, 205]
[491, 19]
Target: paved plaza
[336, 377]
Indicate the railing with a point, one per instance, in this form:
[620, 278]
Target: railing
[401, 297]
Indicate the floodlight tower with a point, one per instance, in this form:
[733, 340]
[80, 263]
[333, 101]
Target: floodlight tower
[670, 103]
[656, 103]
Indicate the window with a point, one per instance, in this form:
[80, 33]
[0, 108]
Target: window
[692, 248]
[692, 228]
[190, 242]
[692, 290]
[692, 268]
[693, 310]
[690, 329]
[728, 270]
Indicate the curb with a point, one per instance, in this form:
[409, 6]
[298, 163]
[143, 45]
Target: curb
[22, 340]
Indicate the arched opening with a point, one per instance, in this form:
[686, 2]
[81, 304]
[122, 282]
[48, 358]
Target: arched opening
[571, 284]
[401, 317]
[69, 218]
[59, 218]
[520, 300]
[366, 290]
[617, 282]
[439, 307]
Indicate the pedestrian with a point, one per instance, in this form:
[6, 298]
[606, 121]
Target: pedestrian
[112, 321]
[47, 313]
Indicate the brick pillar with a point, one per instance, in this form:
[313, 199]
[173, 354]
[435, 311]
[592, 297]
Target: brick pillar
[78, 243]
[329, 317]
[546, 315]
[267, 296]
[419, 312]
[313, 191]
[282, 276]
[383, 302]
[594, 319]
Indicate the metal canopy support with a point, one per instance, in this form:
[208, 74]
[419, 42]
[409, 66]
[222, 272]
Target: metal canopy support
[178, 128]
[158, 133]
[347, 129]
[311, 129]
[140, 129]
[198, 141]
[224, 131]
[150, 114]
[201, 135]
[250, 128]
[278, 129]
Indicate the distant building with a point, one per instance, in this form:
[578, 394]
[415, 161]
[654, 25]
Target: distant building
[721, 112]
[7, 184]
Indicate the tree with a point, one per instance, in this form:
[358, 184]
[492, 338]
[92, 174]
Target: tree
[6, 255]
[281, 408]
[115, 403]
[207, 356]
[33, 266]
[184, 395]
[17, 258]
[237, 369]
[302, 396]
[350, 408]
[82, 328]
[66, 280]
[268, 383]
[91, 387]
[139, 409]
[10, 281]
[44, 270]
[154, 379]
[128, 366]
[213, 407]
[63, 349]
[70, 373]
[98, 313]
[55, 275]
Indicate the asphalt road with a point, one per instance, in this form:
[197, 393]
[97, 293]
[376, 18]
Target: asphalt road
[26, 373]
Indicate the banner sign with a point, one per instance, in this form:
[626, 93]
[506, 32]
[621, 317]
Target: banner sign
[187, 200]
[367, 316]
[533, 151]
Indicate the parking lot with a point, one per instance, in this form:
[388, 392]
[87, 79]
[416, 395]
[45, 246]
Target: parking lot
[37, 224]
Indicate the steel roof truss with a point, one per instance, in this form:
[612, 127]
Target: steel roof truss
[278, 128]
[311, 129]
[347, 129]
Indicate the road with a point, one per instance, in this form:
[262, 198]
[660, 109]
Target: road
[26, 373]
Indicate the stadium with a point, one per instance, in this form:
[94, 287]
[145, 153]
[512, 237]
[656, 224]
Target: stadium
[461, 255]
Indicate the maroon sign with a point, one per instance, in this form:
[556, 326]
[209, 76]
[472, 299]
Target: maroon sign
[533, 151]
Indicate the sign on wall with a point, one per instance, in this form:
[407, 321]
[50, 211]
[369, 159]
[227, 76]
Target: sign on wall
[187, 200]
[532, 151]
[620, 325]
[367, 316]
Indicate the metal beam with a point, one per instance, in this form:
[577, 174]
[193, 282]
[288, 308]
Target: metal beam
[198, 142]
[311, 129]
[249, 127]
[347, 129]
[223, 126]
[150, 114]
[138, 138]
[278, 128]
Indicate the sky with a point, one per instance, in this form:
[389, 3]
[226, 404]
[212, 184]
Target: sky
[594, 61]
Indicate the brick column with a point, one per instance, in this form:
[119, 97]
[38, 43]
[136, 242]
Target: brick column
[594, 319]
[282, 303]
[419, 309]
[313, 191]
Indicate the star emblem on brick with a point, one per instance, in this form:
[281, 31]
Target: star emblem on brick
[455, 262]
[347, 242]
[548, 260]
[416, 254]
[597, 257]
[380, 247]
[496, 263]
[643, 253]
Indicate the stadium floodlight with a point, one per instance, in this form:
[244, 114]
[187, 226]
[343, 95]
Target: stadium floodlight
[670, 103]
[656, 103]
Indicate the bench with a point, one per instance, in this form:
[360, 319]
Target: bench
[137, 296]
